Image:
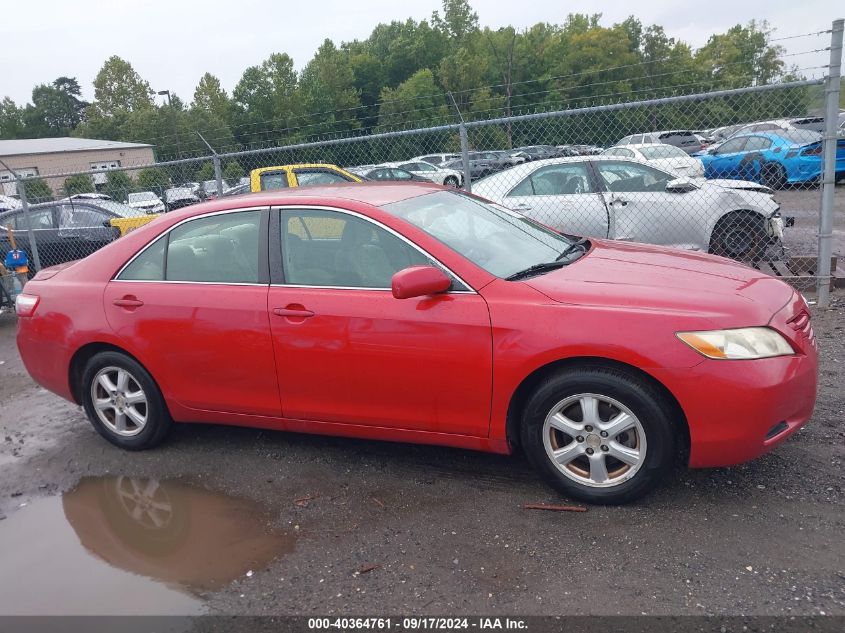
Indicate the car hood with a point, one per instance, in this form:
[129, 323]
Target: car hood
[653, 278]
[743, 185]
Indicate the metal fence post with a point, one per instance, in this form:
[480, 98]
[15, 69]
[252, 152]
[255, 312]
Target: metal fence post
[828, 179]
[218, 174]
[33, 245]
[465, 156]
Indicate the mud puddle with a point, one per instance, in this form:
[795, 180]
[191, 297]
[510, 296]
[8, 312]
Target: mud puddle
[122, 545]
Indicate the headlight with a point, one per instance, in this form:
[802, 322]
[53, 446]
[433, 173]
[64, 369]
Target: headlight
[741, 343]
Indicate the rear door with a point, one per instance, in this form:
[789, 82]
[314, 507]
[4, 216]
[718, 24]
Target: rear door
[561, 196]
[193, 307]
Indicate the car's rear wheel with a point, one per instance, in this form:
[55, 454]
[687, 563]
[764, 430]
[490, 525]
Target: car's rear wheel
[451, 181]
[599, 434]
[773, 175]
[123, 402]
[740, 235]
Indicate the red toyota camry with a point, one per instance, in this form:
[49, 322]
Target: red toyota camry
[417, 314]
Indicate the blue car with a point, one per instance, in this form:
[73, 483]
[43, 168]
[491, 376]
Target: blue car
[773, 159]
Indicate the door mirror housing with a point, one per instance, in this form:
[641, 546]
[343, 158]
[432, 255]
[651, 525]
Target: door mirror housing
[419, 281]
[681, 185]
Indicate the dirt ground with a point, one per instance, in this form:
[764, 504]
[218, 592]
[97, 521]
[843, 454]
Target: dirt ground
[379, 528]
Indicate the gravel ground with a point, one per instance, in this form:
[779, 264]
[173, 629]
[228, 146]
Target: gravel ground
[446, 529]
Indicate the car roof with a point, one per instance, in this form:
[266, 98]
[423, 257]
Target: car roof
[376, 194]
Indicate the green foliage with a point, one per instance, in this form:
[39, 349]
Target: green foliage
[233, 172]
[37, 190]
[205, 172]
[118, 185]
[79, 183]
[153, 179]
[399, 76]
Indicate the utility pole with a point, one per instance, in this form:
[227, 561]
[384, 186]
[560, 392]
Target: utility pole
[173, 120]
[507, 77]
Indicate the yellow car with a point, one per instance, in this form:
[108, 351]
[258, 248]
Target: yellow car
[284, 176]
[126, 225]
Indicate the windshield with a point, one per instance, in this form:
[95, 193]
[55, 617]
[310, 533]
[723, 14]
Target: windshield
[498, 240]
[662, 151]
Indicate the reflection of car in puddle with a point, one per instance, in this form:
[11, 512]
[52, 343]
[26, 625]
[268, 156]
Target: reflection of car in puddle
[172, 532]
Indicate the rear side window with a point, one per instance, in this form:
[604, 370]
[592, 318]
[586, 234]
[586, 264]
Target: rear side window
[149, 265]
[307, 178]
[41, 219]
[272, 181]
[213, 249]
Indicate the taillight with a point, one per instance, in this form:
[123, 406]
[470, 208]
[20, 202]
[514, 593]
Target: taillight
[812, 151]
[25, 304]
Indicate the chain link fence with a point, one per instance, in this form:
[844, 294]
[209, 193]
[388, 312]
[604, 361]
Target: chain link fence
[738, 173]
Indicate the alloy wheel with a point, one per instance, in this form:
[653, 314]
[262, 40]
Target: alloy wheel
[119, 401]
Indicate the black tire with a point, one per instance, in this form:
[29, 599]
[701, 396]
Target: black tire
[158, 421]
[740, 235]
[648, 405]
[451, 181]
[773, 175]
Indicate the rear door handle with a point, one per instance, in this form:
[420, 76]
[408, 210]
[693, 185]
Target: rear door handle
[300, 313]
[521, 207]
[620, 201]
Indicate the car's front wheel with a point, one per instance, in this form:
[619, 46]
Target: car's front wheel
[599, 434]
[123, 402]
[451, 181]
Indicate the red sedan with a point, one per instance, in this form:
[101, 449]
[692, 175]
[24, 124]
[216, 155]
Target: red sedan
[417, 314]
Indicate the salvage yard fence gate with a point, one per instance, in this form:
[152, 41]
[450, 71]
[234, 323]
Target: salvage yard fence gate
[768, 199]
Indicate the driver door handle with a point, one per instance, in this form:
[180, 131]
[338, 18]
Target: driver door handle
[128, 302]
[620, 201]
[521, 207]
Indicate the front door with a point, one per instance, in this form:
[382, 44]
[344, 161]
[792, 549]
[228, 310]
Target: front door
[561, 196]
[348, 352]
[193, 308]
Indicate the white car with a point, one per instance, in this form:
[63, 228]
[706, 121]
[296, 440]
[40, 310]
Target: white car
[145, 201]
[7, 203]
[623, 199]
[440, 175]
[666, 157]
[435, 159]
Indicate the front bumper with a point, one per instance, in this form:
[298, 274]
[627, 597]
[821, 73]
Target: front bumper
[739, 410]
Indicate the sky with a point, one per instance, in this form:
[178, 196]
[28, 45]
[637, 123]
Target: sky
[171, 43]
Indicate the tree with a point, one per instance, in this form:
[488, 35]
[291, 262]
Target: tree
[56, 108]
[415, 102]
[153, 179]
[232, 173]
[119, 88]
[79, 183]
[266, 100]
[11, 120]
[37, 190]
[211, 98]
[459, 20]
[205, 172]
[118, 185]
[742, 56]
[328, 92]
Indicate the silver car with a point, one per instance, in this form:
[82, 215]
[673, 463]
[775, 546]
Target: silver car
[621, 199]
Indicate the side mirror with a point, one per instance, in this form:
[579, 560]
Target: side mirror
[418, 281]
[681, 185]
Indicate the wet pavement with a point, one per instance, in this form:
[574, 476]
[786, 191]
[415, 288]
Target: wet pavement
[338, 526]
[136, 546]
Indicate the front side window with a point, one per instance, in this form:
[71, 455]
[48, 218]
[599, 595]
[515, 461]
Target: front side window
[328, 248]
[631, 177]
[494, 238]
[71, 217]
[757, 144]
[555, 180]
[219, 248]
